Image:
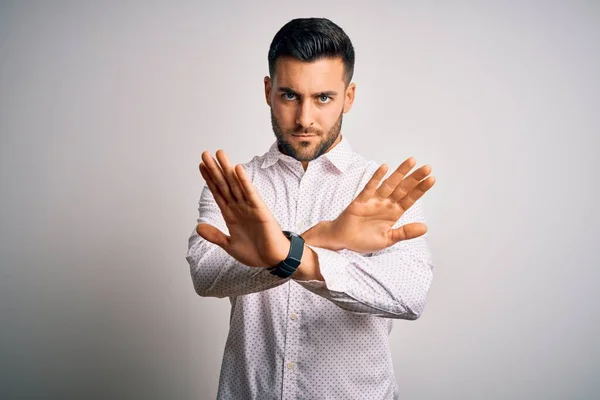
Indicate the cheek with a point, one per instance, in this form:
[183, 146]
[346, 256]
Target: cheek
[330, 117]
[283, 112]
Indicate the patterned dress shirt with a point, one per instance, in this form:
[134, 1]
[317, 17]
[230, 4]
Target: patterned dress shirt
[290, 339]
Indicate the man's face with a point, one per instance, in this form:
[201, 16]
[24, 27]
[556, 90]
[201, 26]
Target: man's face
[307, 102]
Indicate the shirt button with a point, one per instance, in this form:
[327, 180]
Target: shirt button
[290, 365]
[294, 316]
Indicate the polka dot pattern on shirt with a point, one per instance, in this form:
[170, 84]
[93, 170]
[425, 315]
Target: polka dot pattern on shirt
[291, 339]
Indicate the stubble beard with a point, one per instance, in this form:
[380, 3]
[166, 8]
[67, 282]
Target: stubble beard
[302, 151]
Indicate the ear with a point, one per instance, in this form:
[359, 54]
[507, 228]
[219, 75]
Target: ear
[349, 97]
[268, 90]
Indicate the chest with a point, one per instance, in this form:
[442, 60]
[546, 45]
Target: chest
[301, 199]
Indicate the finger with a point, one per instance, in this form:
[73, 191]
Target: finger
[410, 182]
[371, 186]
[231, 176]
[213, 235]
[388, 186]
[408, 231]
[407, 201]
[249, 191]
[217, 176]
[213, 188]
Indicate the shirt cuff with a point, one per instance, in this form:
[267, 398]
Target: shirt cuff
[333, 267]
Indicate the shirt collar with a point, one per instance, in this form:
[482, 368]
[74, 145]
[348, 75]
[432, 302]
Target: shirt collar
[340, 155]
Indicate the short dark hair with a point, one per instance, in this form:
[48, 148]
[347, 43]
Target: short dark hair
[311, 39]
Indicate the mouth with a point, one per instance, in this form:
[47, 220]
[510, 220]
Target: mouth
[303, 136]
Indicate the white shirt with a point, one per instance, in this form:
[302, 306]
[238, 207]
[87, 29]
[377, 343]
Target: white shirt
[290, 339]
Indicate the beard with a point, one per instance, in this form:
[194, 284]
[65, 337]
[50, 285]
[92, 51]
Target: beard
[305, 150]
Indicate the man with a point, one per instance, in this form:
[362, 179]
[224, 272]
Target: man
[311, 314]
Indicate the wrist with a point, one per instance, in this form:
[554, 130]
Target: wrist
[282, 251]
[295, 256]
[323, 235]
[309, 269]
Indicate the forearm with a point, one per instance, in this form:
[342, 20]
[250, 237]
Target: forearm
[216, 274]
[392, 284]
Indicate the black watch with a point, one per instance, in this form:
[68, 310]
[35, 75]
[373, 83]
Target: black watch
[288, 266]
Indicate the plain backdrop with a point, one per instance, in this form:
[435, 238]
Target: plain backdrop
[105, 108]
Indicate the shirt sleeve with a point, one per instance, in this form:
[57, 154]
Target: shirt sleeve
[391, 283]
[214, 272]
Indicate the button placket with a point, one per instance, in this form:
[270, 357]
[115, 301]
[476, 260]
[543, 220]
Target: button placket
[300, 218]
[290, 384]
[302, 222]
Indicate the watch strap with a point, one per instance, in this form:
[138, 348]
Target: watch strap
[288, 266]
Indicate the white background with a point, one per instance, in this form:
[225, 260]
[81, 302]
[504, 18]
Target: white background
[106, 107]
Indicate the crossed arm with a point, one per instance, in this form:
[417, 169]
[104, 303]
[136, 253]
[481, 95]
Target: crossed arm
[256, 241]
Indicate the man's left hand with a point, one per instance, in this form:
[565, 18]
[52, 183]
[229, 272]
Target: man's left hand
[365, 226]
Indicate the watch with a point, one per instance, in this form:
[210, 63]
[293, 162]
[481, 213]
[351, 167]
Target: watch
[288, 266]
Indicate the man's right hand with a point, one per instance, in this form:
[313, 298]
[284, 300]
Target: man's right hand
[255, 238]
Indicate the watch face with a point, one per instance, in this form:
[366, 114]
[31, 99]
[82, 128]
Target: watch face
[290, 234]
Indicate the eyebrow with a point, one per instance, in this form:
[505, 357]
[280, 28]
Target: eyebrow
[324, 93]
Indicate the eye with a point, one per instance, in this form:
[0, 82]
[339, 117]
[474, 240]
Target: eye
[289, 96]
[324, 98]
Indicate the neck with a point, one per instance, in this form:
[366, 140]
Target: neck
[339, 139]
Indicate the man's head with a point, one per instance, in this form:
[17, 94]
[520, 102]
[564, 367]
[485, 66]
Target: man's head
[311, 63]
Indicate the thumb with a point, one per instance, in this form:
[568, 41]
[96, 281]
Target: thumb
[408, 231]
[213, 235]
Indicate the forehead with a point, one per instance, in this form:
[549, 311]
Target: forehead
[302, 76]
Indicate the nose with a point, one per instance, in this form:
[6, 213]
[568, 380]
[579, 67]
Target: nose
[304, 116]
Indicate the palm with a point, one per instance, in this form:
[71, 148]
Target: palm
[375, 217]
[247, 225]
[255, 238]
[366, 225]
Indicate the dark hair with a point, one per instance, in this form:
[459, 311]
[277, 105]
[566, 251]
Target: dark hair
[311, 39]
